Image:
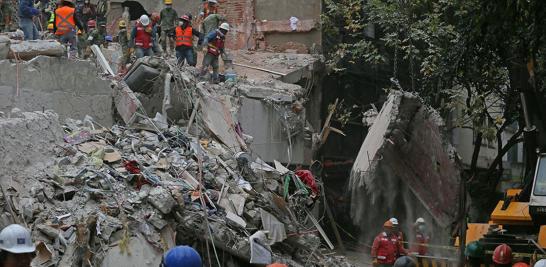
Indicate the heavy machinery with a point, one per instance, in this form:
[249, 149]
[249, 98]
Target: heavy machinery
[519, 220]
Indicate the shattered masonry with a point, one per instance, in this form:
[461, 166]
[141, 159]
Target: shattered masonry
[125, 193]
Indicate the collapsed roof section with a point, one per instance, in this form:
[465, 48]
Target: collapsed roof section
[405, 167]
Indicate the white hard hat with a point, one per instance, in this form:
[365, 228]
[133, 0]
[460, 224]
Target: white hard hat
[213, 1]
[145, 20]
[224, 26]
[540, 263]
[420, 220]
[394, 221]
[16, 239]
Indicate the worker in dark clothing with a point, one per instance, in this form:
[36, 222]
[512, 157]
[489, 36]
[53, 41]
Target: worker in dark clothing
[26, 13]
[168, 18]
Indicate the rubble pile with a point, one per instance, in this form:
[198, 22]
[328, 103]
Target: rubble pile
[128, 193]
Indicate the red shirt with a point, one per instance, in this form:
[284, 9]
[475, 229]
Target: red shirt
[419, 246]
[386, 248]
[143, 36]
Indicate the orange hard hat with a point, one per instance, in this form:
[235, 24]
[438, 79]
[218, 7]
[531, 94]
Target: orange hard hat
[277, 265]
[520, 264]
[388, 223]
[502, 254]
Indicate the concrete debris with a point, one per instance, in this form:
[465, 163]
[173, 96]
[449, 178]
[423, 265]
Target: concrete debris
[92, 210]
[25, 50]
[387, 171]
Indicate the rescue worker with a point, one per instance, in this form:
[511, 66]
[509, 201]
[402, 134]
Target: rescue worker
[502, 255]
[26, 13]
[211, 22]
[214, 43]
[66, 24]
[91, 25]
[157, 31]
[123, 41]
[17, 247]
[396, 229]
[474, 254]
[184, 41]
[6, 11]
[168, 18]
[181, 256]
[82, 43]
[97, 35]
[89, 12]
[142, 37]
[209, 7]
[386, 247]
[421, 237]
[540, 263]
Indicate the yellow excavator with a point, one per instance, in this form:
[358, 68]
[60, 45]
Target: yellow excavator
[519, 220]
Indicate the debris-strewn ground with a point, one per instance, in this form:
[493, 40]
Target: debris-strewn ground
[123, 195]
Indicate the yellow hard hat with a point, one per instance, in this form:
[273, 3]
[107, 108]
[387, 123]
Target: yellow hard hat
[168, 2]
[50, 26]
[122, 24]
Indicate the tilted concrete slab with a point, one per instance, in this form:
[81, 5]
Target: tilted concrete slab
[404, 168]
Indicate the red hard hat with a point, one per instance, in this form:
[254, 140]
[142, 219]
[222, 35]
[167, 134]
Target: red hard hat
[502, 254]
[91, 24]
[520, 264]
[185, 17]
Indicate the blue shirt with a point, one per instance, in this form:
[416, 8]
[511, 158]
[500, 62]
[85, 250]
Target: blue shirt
[26, 9]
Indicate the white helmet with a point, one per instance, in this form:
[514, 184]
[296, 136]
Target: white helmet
[213, 1]
[16, 239]
[420, 220]
[394, 221]
[145, 20]
[224, 26]
[540, 263]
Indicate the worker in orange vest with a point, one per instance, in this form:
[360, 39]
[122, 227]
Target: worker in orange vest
[66, 24]
[184, 41]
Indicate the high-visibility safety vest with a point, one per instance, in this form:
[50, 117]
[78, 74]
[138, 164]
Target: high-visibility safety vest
[143, 38]
[216, 45]
[64, 20]
[184, 37]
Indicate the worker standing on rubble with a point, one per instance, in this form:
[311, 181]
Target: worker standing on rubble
[214, 42]
[97, 35]
[142, 37]
[156, 27]
[181, 256]
[82, 43]
[209, 7]
[17, 247]
[212, 22]
[421, 237]
[502, 256]
[6, 11]
[26, 13]
[123, 41]
[184, 41]
[66, 24]
[89, 12]
[168, 18]
[386, 247]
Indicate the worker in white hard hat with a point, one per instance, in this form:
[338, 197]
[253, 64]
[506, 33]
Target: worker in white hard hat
[397, 231]
[214, 43]
[17, 247]
[143, 37]
[421, 238]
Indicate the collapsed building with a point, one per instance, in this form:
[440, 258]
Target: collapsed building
[405, 169]
[157, 158]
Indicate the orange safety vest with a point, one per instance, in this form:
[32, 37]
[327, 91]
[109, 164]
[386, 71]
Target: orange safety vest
[64, 20]
[184, 37]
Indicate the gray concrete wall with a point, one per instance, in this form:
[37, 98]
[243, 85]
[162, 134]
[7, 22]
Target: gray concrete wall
[283, 10]
[70, 88]
[263, 123]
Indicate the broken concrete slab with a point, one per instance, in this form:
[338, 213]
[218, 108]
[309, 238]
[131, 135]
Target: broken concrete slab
[38, 87]
[25, 50]
[138, 253]
[161, 198]
[404, 159]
